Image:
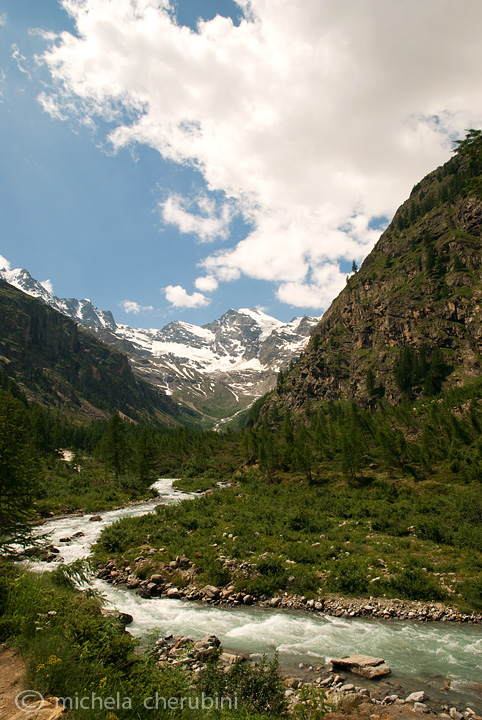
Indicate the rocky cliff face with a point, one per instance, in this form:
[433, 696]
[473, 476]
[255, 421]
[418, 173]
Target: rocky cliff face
[420, 288]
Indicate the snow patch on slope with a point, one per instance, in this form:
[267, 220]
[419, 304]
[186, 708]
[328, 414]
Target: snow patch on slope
[265, 322]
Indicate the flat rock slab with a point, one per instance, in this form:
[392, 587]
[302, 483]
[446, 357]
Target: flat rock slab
[364, 665]
[48, 711]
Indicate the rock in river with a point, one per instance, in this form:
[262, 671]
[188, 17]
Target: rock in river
[364, 665]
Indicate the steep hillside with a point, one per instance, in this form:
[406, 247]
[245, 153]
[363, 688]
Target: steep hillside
[409, 321]
[58, 363]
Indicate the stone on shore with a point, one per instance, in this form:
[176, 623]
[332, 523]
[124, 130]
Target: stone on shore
[173, 593]
[126, 618]
[416, 697]
[455, 714]
[364, 665]
[210, 591]
[421, 707]
[228, 658]
[157, 579]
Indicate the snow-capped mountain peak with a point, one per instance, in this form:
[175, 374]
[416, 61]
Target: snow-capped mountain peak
[81, 311]
[218, 369]
[22, 280]
[266, 323]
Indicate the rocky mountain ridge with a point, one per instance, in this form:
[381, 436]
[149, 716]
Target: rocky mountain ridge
[409, 321]
[57, 363]
[81, 311]
[216, 370]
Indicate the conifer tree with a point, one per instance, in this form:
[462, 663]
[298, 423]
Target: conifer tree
[352, 442]
[303, 452]
[113, 446]
[144, 455]
[18, 471]
[287, 440]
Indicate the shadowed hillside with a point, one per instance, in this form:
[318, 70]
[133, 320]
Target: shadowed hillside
[57, 363]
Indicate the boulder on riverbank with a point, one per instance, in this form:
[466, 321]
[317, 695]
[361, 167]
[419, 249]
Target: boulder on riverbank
[122, 617]
[364, 665]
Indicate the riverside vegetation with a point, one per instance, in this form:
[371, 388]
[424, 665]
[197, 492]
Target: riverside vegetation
[349, 501]
[350, 478]
[403, 523]
[73, 651]
[345, 499]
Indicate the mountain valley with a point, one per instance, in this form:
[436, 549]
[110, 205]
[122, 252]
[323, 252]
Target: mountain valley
[216, 371]
[59, 364]
[353, 488]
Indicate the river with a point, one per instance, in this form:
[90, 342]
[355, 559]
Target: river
[421, 655]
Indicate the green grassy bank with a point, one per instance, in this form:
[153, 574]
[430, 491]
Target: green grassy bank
[72, 651]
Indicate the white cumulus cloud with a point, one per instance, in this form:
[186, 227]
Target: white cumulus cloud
[326, 283]
[180, 298]
[4, 264]
[130, 306]
[206, 222]
[208, 283]
[47, 285]
[312, 118]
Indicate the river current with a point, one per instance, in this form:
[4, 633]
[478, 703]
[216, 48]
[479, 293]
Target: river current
[424, 656]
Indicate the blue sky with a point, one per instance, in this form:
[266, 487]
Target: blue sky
[170, 160]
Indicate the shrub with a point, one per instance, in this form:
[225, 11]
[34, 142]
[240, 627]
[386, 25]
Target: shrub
[270, 566]
[472, 592]
[259, 689]
[435, 529]
[260, 585]
[273, 577]
[117, 537]
[214, 573]
[313, 704]
[350, 578]
[305, 581]
[415, 584]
